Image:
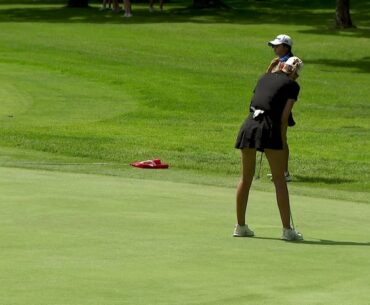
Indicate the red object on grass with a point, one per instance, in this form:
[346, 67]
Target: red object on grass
[153, 164]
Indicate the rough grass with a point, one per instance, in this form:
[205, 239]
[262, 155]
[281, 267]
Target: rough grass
[92, 85]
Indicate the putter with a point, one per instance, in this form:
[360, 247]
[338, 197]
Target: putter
[259, 170]
[291, 218]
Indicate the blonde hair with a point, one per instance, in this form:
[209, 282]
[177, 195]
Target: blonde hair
[292, 65]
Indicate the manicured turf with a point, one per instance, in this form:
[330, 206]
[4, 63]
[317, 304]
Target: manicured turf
[76, 239]
[83, 93]
[79, 83]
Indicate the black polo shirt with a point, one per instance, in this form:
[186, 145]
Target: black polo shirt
[272, 92]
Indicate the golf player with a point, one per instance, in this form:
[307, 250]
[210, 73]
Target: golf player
[282, 46]
[270, 107]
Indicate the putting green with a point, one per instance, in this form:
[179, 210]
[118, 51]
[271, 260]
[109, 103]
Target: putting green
[76, 239]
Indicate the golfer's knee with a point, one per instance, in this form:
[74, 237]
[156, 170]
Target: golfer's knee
[279, 182]
[246, 179]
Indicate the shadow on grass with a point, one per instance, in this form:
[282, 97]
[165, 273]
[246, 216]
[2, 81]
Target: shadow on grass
[360, 65]
[321, 242]
[325, 30]
[62, 14]
[31, 2]
[313, 13]
[313, 179]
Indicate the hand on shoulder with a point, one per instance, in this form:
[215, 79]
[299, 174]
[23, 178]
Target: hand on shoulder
[273, 64]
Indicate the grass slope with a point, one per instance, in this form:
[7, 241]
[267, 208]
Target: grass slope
[87, 84]
[76, 239]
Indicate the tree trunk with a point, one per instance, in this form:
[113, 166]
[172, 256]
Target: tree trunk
[209, 3]
[78, 3]
[343, 17]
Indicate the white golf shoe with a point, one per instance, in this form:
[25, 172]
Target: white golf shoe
[242, 231]
[291, 235]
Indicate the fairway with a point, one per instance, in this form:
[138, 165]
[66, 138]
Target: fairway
[80, 83]
[88, 239]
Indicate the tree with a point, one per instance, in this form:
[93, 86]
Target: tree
[78, 3]
[342, 14]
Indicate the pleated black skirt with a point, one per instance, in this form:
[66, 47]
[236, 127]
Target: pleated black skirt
[259, 133]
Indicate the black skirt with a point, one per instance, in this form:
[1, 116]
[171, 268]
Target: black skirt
[260, 133]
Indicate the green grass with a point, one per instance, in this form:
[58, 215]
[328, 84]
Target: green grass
[92, 239]
[84, 93]
[84, 84]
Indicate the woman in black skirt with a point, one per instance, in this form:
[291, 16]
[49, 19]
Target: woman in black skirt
[263, 130]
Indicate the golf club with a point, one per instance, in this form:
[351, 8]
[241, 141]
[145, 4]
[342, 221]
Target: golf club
[260, 165]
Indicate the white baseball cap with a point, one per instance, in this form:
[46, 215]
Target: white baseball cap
[293, 64]
[280, 39]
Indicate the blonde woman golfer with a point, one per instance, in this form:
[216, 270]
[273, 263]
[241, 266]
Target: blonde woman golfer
[271, 105]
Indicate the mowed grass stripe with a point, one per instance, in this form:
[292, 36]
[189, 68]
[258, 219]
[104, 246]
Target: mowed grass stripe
[90, 239]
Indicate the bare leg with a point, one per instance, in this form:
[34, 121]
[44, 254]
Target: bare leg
[276, 160]
[127, 4]
[242, 193]
[115, 6]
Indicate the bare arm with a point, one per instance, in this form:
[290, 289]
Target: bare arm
[284, 120]
[273, 64]
[286, 112]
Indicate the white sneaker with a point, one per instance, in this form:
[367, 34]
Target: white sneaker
[291, 234]
[242, 231]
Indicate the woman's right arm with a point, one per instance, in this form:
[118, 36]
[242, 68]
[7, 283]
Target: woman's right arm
[284, 120]
[286, 112]
[273, 64]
